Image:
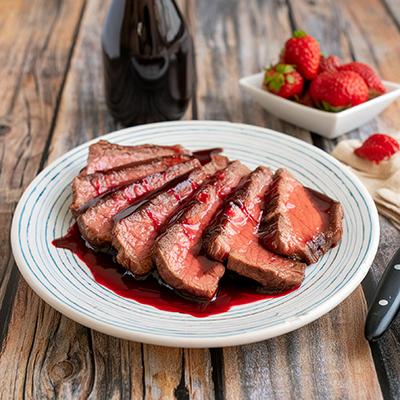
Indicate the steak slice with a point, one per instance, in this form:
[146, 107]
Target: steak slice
[220, 236]
[276, 274]
[176, 252]
[87, 189]
[104, 155]
[299, 222]
[134, 236]
[96, 223]
[233, 238]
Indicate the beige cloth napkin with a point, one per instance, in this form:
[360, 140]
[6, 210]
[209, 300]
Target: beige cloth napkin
[382, 180]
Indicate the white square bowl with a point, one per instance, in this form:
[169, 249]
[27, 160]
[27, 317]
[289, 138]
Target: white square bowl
[327, 124]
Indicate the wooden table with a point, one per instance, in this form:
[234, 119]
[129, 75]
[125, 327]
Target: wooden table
[52, 100]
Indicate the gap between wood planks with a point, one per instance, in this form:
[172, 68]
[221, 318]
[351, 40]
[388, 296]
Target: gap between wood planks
[12, 284]
[317, 141]
[370, 24]
[158, 359]
[45, 154]
[75, 120]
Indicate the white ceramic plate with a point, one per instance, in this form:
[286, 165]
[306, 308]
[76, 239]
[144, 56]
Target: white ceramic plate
[66, 283]
[325, 123]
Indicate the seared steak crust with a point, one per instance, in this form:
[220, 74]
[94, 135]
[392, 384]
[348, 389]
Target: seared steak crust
[194, 215]
[134, 236]
[299, 222]
[233, 238]
[96, 223]
[87, 189]
[176, 253]
[104, 155]
[274, 273]
[220, 236]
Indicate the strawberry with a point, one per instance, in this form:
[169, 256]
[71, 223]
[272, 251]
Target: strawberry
[303, 51]
[371, 78]
[306, 99]
[382, 139]
[283, 80]
[336, 91]
[330, 63]
[378, 147]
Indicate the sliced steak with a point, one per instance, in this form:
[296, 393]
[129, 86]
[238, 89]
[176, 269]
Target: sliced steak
[104, 155]
[206, 155]
[91, 187]
[96, 223]
[276, 274]
[299, 222]
[177, 251]
[233, 238]
[220, 236]
[134, 236]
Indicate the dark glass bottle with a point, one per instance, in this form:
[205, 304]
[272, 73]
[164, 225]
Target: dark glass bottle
[148, 61]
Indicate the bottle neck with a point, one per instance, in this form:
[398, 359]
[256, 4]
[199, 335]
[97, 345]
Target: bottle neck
[150, 26]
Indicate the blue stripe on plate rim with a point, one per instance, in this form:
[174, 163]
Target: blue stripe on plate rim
[254, 321]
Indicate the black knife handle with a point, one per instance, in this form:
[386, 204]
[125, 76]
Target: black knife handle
[386, 303]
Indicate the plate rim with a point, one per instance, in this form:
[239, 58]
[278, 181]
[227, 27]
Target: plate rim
[173, 341]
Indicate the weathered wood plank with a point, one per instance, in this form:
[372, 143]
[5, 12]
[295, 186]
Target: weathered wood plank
[157, 359]
[352, 31]
[117, 367]
[34, 57]
[83, 112]
[74, 361]
[58, 357]
[54, 356]
[103, 366]
[393, 10]
[162, 371]
[39, 355]
[198, 374]
[280, 368]
[234, 40]
[379, 47]
[363, 38]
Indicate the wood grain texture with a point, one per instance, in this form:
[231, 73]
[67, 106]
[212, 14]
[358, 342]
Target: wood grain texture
[163, 370]
[198, 374]
[231, 42]
[393, 10]
[49, 356]
[234, 39]
[99, 366]
[85, 364]
[282, 369]
[354, 32]
[366, 32]
[34, 59]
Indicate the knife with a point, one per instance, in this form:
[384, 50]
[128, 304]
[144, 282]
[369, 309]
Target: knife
[386, 303]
